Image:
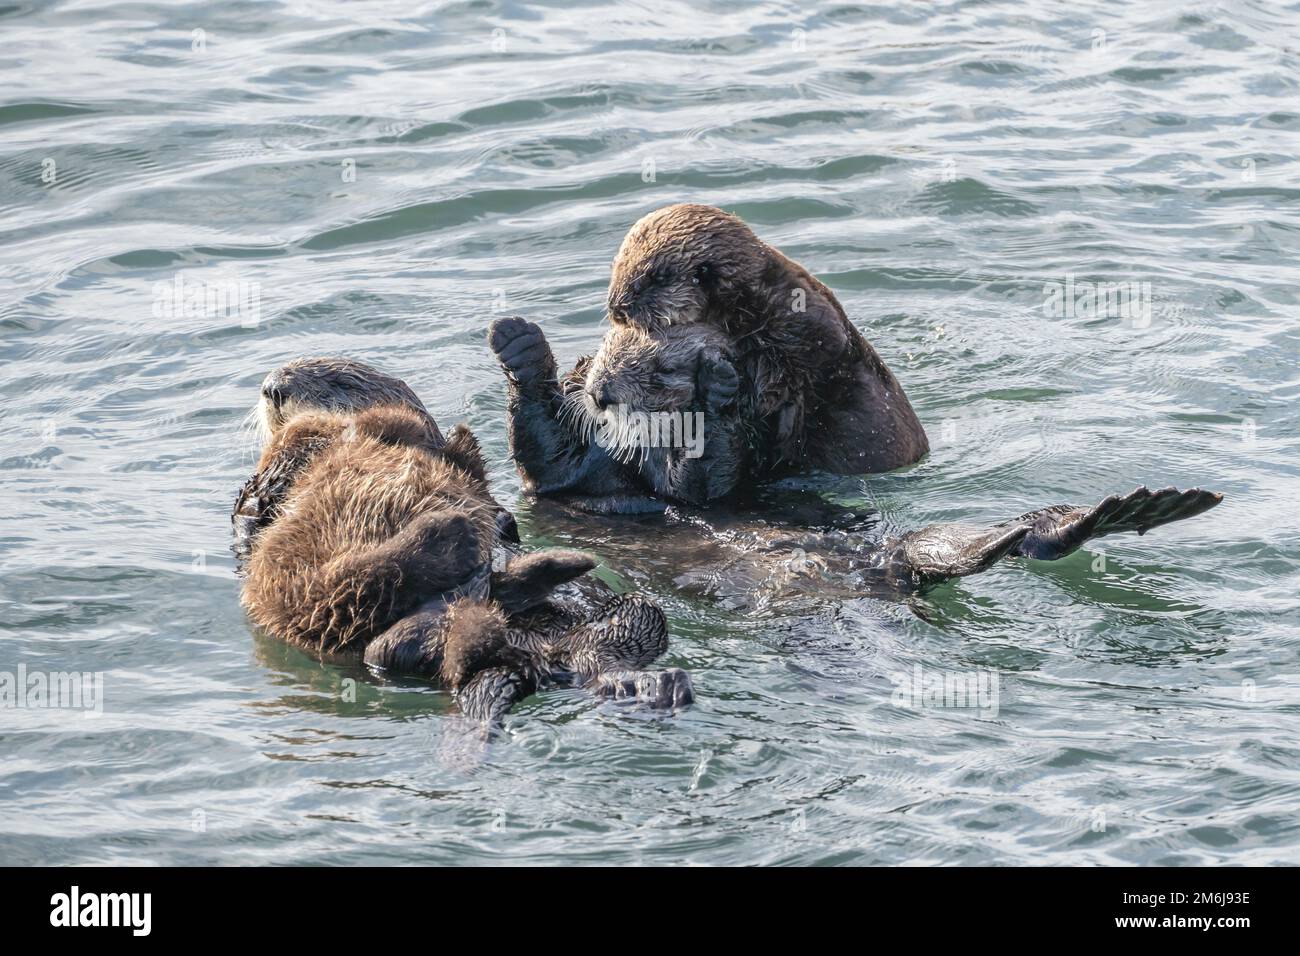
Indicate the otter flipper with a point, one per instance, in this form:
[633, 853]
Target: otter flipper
[607, 653]
[526, 581]
[945, 551]
[1058, 530]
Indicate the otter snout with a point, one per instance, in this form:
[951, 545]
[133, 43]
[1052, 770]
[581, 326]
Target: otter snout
[602, 394]
[269, 413]
[273, 392]
[624, 297]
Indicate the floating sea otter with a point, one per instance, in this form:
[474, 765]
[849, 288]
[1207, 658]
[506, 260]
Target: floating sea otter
[820, 396]
[365, 532]
[701, 324]
[812, 392]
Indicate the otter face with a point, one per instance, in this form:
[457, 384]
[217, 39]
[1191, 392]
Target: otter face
[329, 385]
[680, 263]
[638, 374]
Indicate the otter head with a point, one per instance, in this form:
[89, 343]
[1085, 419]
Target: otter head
[682, 264]
[638, 376]
[330, 385]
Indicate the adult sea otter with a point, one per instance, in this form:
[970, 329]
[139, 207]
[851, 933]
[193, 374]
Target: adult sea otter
[570, 441]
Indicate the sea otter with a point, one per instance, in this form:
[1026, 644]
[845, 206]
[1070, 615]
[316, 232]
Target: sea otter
[821, 397]
[365, 532]
[565, 447]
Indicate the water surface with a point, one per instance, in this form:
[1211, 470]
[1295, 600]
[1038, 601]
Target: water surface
[388, 177]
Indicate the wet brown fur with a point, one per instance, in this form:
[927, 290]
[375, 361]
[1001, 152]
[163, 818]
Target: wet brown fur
[821, 393]
[364, 530]
[380, 520]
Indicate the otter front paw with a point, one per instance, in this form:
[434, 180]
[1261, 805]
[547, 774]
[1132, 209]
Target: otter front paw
[662, 690]
[522, 349]
[718, 382]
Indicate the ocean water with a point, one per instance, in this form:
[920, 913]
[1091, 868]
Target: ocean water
[194, 193]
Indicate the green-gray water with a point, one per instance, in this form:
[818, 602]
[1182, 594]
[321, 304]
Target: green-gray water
[390, 176]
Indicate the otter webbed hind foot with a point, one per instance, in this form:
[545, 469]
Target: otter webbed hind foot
[662, 690]
[944, 551]
[1058, 530]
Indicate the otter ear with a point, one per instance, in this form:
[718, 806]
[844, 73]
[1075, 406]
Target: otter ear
[717, 383]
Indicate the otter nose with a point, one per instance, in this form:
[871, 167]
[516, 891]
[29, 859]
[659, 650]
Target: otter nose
[601, 394]
[273, 392]
[627, 295]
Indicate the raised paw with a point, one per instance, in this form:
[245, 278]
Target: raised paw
[661, 690]
[522, 349]
[718, 382]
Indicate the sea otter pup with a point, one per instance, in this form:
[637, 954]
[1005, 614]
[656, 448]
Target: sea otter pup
[366, 532]
[568, 443]
[569, 438]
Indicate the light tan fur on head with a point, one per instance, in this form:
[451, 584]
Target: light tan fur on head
[679, 262]
[330, 385]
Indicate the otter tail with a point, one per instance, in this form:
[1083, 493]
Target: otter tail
[945, 551]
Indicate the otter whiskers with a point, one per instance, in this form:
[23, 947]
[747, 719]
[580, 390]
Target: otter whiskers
[253, 432]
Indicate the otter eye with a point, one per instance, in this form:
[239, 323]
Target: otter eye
[701, 272]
